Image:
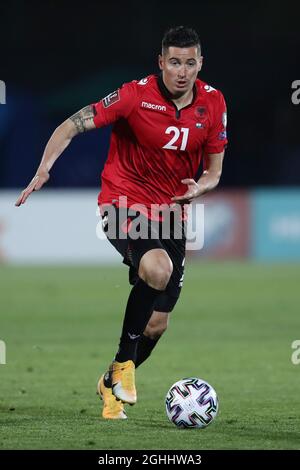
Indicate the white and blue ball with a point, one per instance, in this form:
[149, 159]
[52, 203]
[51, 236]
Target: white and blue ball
[191, 403]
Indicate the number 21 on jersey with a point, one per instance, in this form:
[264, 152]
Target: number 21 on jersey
[174, 130]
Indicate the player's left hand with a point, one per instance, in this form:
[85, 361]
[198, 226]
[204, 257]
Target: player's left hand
[192, 192]
[41, 177]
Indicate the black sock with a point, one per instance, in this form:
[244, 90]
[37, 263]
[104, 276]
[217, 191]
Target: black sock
[144, 349]
[138, 312]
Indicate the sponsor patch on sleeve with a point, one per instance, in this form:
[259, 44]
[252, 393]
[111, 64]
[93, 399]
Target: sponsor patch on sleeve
[111, 98]
[222, 135]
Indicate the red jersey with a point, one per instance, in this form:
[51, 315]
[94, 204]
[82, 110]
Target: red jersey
[153, 144]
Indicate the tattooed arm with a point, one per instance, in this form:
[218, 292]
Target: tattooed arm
[80, 122]
[83, 120]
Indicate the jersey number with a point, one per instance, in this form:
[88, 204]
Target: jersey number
[184, 130]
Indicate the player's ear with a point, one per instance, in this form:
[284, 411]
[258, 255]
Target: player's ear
[200, 63]
[160, 62]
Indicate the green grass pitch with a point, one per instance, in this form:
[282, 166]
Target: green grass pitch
[233, 327]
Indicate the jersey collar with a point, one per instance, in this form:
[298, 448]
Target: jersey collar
[167, 95]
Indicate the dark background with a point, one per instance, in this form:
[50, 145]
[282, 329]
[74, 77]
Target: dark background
[57, 57]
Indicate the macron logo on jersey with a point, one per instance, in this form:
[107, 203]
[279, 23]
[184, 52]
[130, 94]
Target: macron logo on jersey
[155, 107]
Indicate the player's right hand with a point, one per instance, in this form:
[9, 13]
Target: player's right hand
[35, 184]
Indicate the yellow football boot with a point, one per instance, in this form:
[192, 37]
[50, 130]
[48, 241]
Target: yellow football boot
[112, 408]
[123, 381]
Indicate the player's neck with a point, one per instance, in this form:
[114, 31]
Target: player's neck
[184, 100]
[180, 100]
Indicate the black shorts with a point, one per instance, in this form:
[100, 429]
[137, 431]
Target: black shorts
[132, 249]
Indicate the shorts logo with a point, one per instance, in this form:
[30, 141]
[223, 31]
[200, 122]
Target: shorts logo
[155, 107]
[111, 99]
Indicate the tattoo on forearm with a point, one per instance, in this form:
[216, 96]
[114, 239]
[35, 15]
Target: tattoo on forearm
[83, 118]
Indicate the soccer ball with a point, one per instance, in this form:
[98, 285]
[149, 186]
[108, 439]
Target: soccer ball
[191, 403]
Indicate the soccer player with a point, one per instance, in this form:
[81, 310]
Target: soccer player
[163, 126]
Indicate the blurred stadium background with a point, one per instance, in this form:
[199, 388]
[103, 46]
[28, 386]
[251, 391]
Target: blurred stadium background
[54, 269]
[250, 54]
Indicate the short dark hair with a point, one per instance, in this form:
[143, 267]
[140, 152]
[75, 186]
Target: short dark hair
[180, 36]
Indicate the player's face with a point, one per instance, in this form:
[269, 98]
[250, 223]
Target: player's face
[180, 67]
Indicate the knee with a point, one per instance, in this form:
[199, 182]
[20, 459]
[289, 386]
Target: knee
[156, 328]
[158, 276]
[156, 269]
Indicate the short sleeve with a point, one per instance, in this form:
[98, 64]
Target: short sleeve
[116, 105]
[217, 136]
